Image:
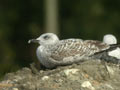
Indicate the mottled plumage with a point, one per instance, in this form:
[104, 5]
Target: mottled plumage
[73, 47]
[54, 52]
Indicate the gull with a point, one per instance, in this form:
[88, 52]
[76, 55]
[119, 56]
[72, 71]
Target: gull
[113, 53]
[111, 40]
[53, 52]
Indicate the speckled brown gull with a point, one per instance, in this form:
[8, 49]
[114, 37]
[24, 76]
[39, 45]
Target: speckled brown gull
[53, 52]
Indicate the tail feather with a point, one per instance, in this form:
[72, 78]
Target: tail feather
[104, 55]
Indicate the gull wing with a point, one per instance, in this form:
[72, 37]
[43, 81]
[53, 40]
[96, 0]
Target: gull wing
[70, 48]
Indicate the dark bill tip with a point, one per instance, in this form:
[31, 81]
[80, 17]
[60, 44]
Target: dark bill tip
[33, 40]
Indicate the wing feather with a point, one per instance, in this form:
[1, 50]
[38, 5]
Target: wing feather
[73, 47]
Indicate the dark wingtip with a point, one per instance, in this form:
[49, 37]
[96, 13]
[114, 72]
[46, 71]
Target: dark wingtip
[115, 45]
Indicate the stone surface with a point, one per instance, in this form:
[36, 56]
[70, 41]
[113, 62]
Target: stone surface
[88, 75]
[87, 84]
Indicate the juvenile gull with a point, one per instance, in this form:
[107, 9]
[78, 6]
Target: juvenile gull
[113, 53]
[53, 52]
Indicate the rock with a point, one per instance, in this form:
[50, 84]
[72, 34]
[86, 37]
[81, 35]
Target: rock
[88, 75]
[45, 77]
[15, 89]
[71, 74]
[87, 84]
[110, 70]
[70, 71]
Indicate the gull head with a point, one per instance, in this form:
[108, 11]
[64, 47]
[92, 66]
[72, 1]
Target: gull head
[109, 39]
[46, 39]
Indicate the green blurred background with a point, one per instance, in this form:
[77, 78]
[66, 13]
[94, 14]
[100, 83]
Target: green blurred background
[21, 20]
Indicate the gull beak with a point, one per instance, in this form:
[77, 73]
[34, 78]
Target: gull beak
[33, 40]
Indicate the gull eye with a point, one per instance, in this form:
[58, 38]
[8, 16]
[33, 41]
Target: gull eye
[46, 37]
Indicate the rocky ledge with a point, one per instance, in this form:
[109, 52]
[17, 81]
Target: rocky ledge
[89, 75]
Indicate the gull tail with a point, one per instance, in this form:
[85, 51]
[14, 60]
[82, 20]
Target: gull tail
[109, 55]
